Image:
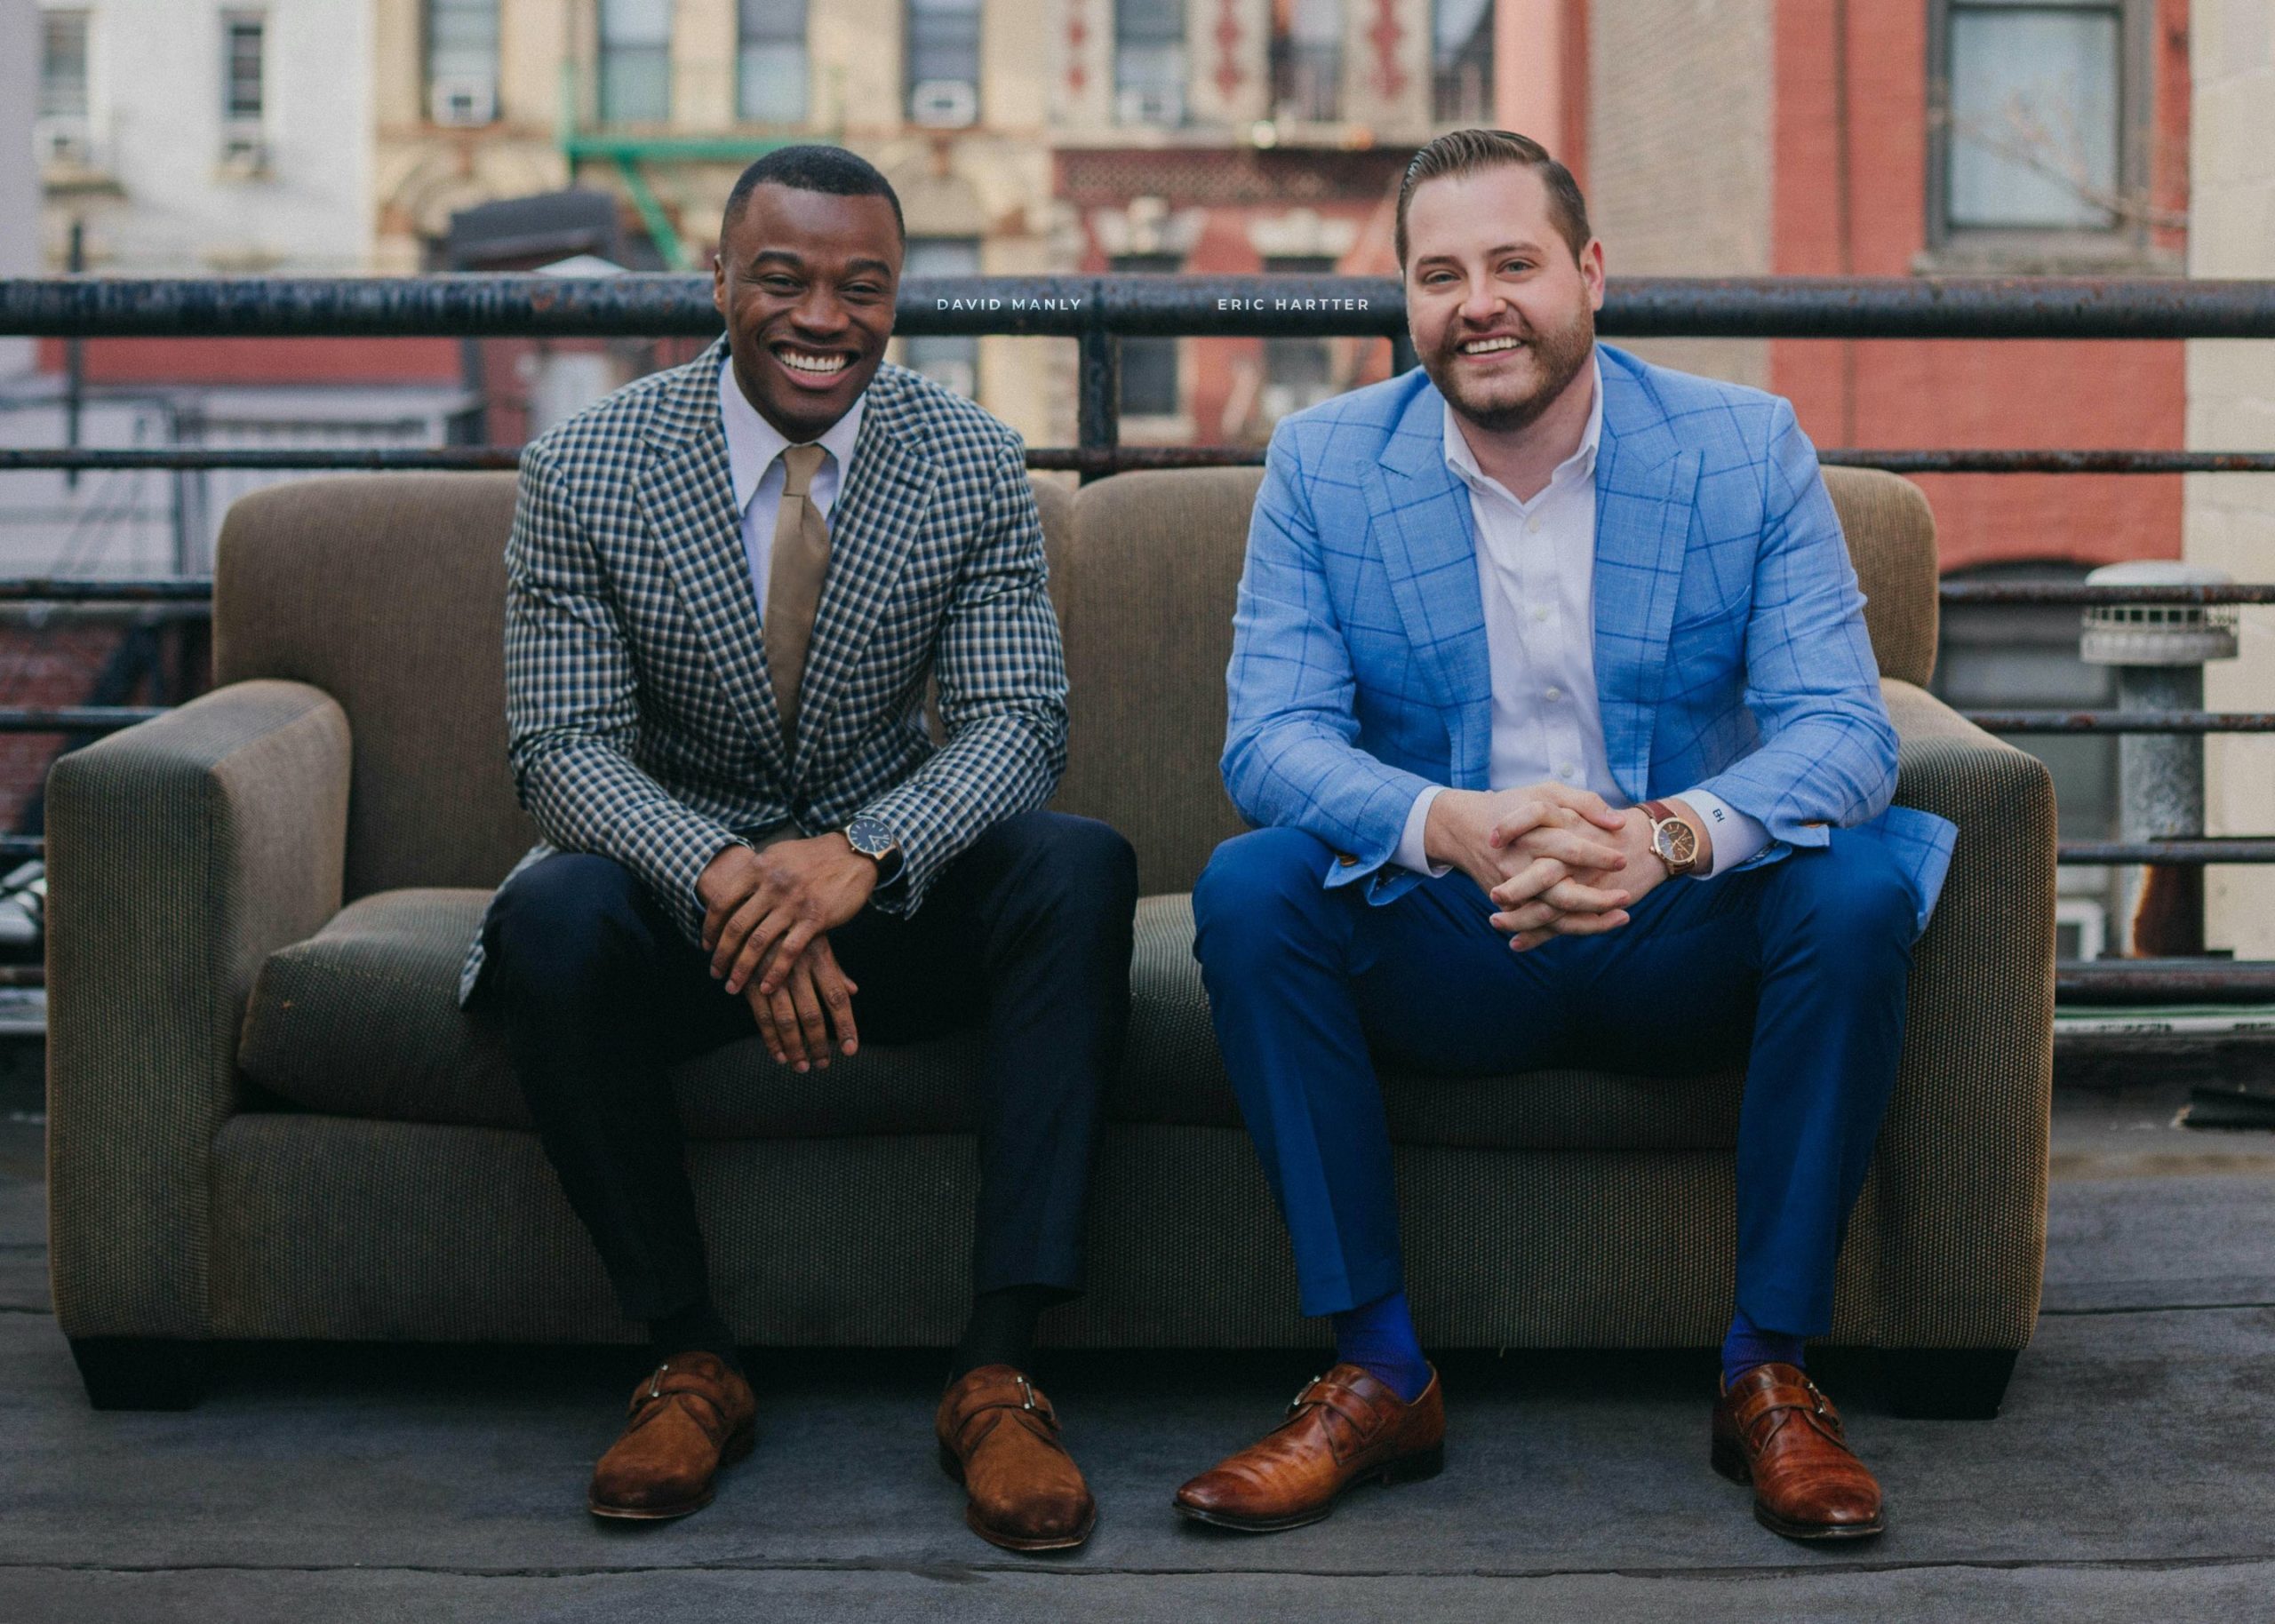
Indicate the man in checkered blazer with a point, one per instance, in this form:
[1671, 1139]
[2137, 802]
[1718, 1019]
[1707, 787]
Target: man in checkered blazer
[1552, 699]
[728, 586]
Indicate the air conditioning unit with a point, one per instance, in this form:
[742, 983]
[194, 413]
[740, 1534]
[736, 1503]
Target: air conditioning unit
[943, 104]
[462, 102]
[66, 142]
[1162, 104]
[245, 151]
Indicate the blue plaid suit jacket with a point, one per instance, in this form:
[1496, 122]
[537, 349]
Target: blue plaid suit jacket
[640, 714]
[1730, 649]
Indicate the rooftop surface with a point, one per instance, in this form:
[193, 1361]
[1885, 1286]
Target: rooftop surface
[2130, 1476]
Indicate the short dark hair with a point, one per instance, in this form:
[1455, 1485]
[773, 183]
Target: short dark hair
[812, 167]
[1464, 152]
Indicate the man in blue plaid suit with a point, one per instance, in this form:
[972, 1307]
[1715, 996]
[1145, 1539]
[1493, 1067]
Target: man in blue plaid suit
[1552, 699]
[729, 585]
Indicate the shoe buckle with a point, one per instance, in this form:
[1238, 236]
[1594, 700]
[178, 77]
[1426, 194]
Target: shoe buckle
[656, 1381]
[1028, 1389]
[1296, 1403]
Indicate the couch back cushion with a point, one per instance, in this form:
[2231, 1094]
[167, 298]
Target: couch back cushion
[1147, 608]
[387, 591]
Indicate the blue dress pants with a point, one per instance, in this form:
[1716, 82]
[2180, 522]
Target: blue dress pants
[1796, 967]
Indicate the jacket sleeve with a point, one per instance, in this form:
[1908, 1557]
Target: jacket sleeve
[1291, 756]
[1001, 676]
[572, 711]
[1827, 754]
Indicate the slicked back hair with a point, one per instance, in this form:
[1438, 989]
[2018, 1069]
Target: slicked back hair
[1465, 152]
[812, 167]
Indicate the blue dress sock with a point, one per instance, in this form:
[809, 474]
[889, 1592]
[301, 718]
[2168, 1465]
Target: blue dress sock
[1378, 1337]
[1748, 1345]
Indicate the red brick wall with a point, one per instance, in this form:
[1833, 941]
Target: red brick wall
[2004, 393]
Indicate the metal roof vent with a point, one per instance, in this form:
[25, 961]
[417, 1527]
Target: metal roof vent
[2157, 634]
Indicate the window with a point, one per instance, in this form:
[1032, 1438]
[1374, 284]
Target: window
[1149, 365]
[636, 62]
[770, 70]
[2024, 656]
[943, 62]
[2041, 122]
[1461, 62]
[1149, 61]
[242, 36]
[1297, 371]
[1307, 61]
[462, 61]
[63, 65]
[950, 359]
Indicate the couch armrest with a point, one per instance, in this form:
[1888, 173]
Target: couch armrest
[1962, 1170]
[181, 854]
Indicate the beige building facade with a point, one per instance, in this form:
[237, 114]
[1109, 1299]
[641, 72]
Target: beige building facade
[2230, 518]
[979, 111]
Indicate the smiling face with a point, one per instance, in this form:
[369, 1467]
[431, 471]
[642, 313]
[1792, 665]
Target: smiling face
[1501, 310]
[805, 281]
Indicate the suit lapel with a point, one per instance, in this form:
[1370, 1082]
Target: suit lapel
[1419, 516]
[874, 526]
[1646, 488]
[688, 498]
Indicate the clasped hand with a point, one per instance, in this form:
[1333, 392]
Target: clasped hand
[1556, 861]
[767, 916]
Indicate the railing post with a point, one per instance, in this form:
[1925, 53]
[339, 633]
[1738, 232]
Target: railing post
[1097, 408]
[2159, 651]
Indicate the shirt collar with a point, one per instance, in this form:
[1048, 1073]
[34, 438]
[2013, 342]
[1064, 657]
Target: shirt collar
[1462, 461]
[753, 443]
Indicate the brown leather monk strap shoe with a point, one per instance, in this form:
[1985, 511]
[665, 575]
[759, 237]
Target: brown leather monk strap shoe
[1776, 1431]
[1344, 1428]
[691, 1416]
[999, 1438]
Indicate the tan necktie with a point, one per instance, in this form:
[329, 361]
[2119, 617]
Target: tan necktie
[794, 579]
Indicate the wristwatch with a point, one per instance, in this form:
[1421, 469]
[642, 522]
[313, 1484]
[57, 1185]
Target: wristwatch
[1673, 840]
[869, 836]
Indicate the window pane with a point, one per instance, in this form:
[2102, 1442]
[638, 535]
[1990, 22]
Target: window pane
[1149, 365]
[1149, 61]
[771, 74]
[63, 65]
[636, 62]
[951, 359]
[240, 86]
[1461, 57]
[1307, 58]
[771, 89]
[2034, 117]
[462, 40]
[944, 40]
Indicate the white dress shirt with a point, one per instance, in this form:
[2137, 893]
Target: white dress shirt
[754, 448]
[1536, 574]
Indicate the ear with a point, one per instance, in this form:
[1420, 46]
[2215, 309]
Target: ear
[1592, 270]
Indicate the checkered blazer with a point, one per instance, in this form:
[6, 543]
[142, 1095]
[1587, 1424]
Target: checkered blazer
[641, 711]
[1730, 649]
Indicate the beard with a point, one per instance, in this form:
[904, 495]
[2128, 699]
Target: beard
[1558, 356]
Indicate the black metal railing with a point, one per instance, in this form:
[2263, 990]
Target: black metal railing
[1098, 312]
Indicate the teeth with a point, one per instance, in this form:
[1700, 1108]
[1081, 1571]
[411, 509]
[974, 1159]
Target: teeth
[812, 363]
[1486, 347]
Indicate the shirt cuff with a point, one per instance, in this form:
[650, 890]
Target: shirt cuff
[1736, 838]
[1413, 852]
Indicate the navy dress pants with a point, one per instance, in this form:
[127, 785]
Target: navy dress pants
[1797, 966]
[1026, 933]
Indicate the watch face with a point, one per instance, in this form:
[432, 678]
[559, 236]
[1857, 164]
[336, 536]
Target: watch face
[1678, 842]
[869, 837]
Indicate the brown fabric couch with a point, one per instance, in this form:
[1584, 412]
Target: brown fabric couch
[268, 1120]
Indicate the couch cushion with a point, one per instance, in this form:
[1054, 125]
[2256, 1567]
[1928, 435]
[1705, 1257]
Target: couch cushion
[361, 1021]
